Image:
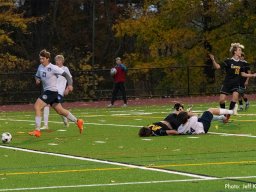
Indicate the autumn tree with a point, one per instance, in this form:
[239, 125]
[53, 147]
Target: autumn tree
[13, 28]
[181, 33]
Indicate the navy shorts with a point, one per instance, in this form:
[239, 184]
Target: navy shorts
[60, 98]
[206, 119]
[50, 97]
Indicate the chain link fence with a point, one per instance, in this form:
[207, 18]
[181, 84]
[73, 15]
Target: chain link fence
[20, 87]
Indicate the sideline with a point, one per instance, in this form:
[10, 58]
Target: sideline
[127, 183]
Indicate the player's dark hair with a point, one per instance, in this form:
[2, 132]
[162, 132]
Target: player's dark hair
[144, 132]
[177, 106]
[183, 117]
[45, 54]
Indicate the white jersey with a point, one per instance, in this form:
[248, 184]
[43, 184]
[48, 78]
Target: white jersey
[192, 126]
[48, 76]
[62, 81]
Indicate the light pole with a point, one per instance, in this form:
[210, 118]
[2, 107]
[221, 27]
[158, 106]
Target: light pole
[93, 33]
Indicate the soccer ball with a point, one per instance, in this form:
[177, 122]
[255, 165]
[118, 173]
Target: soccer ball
[6, 137]
[113, 71]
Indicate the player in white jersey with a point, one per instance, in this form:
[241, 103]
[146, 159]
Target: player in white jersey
[191, 124]
[47, 74]
[62, 90]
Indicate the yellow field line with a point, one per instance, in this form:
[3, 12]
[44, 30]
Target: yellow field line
[62, 171]
[122, 168]
[202, 164]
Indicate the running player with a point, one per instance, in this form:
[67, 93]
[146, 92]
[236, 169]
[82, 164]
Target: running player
[231, 83]
[62, 90]
[47, 75]
[243, 84]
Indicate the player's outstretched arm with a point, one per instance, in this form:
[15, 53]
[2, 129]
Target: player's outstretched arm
[215, 64]
[248, 75]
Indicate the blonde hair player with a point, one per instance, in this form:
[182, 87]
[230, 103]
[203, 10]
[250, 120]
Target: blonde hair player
[62, 91]
[234, 71]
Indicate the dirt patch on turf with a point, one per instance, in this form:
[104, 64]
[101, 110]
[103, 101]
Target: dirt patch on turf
[131, 102]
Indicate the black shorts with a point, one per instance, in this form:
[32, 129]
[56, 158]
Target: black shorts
[50, 97]
[206, 119]
[241, 90]
[229, 88]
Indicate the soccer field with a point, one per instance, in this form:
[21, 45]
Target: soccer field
[109, 155]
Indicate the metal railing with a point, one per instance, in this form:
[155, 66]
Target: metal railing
[20, 87]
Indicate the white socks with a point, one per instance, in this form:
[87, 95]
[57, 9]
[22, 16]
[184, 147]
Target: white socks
[71, 117]
[38, 122]
[218, 117]
[46, 115]
[65, 120]
[226, 111]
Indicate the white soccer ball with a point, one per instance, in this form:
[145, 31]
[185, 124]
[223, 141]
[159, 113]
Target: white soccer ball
[113, 71]
[6, 137]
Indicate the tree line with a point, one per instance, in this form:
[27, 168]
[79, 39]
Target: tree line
[146, 33]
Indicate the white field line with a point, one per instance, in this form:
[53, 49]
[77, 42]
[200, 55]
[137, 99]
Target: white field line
[60, 122]
[125, 183]
[107, 162]
[135, 126]
[229, 134]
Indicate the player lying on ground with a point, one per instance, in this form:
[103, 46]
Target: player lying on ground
[164, 127]
[189, 123]
[194, 125]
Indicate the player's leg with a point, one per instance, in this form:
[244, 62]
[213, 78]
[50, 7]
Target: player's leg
[224, 91]
[220, 111]
[222, 100]
[247, 103]
[46, 116]
[122, 89]
[233, 106]
[38, 106]
[240, 100]
[114, 94]
[64, 112]
[221, 114]
[219, 118]
[65, 121]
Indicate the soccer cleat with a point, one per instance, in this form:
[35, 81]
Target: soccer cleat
[44, 127]
[66, 123]
[241, 108]
[247, 104]
[110, 105]
[225, 120]
[80, 125]
[235, 110]
[35, 133]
